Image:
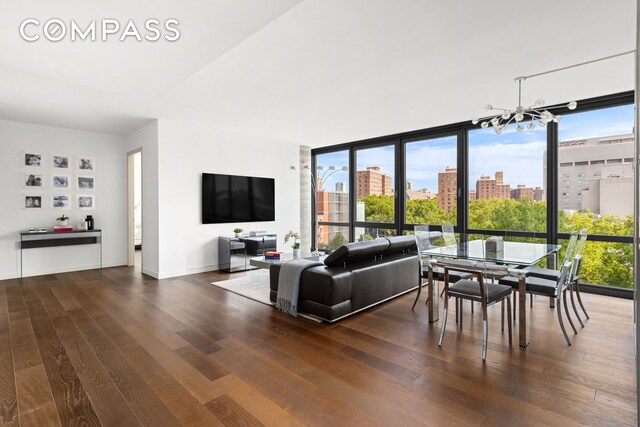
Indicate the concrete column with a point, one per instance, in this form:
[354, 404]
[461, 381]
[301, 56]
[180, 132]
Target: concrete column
[305, 198]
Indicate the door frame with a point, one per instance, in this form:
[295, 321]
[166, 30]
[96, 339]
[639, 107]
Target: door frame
[131, 230]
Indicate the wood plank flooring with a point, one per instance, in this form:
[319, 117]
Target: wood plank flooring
[115, 348]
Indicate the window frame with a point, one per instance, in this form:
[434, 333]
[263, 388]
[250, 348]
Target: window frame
[461, 129]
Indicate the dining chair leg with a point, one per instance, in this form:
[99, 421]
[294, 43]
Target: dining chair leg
[564, 331]
[502, 316]
[444, 319]
[419, 291]
[472, 307]
[531, 300]
[566, 311]
[485, 331]
[461, 311]
[573, 304]
[509, 325]
[580, 301]
[457, 309]
[514, 303]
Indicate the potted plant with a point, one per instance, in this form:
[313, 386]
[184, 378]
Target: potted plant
[238, 232]
[296, 243]
[62, 220]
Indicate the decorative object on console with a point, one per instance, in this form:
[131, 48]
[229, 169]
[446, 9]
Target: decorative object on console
[90, 222]
[82, 225]
[238, 232]
[62, 229]
[296, 243]
[62, 220]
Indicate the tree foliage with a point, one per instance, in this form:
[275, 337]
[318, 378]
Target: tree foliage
[603, 262]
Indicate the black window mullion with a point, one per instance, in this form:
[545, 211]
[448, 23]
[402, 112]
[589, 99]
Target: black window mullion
[400, 186]
[463, 181]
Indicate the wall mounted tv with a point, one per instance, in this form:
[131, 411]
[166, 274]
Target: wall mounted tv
[232, 198]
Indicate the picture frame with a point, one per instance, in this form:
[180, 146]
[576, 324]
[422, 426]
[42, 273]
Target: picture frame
[59, 181]
[86, 201]
[86, 183]
[60, 161]
[32, 201]
[32, 159]
[86, 164]
[33, 180]
[61, 202]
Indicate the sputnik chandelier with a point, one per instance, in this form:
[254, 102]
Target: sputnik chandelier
[535, 112]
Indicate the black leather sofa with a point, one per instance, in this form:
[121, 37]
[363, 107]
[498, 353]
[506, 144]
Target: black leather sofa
[356, 276]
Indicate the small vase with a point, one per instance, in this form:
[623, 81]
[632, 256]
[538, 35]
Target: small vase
[238, 235]
[62, 223]
[296, 253]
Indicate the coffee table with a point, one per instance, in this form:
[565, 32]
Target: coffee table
[260, 262]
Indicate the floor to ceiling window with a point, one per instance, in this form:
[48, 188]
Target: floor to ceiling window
[595, 190]
[332, 199]
[431, 177]
[416, 178]
[375, 198]
[506, 180]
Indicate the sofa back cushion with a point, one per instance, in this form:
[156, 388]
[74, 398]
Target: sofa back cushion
[356, 251]
[399, 244]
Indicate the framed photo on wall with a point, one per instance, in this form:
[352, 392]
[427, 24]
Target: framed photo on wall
[86, 202]
[33, 160]
[32, 201]
[86, 183]
[60, 182]
[61, 201]
[86, 164]
[32, 180]
[60, 161]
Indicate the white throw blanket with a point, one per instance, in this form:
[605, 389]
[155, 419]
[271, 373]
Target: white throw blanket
[289, 284]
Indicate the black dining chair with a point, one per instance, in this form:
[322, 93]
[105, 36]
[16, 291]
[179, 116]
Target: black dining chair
[423, 242]
[477, 290]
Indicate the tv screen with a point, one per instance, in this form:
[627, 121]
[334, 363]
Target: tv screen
[232, 198]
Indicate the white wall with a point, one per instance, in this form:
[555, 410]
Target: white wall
[146, 138]
[187, 148]
[16, 138]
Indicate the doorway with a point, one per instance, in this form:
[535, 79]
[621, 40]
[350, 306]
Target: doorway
[134, 209]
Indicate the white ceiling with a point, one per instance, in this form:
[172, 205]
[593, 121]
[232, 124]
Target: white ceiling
[315, 72]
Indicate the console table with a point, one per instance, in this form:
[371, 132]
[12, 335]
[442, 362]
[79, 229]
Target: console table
[47, 239]
[234, 252]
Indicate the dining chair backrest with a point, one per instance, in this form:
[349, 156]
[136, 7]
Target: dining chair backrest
[563, 280]
[449, 235]
[423, 241]
[582, 239]
[571, 247]
[576, 265]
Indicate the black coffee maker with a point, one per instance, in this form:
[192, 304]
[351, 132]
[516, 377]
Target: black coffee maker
[90, 223]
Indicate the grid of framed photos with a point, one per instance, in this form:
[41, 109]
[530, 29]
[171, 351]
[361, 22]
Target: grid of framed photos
[70, 181]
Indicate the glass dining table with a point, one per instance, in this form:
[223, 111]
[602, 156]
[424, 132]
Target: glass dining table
[516, 256]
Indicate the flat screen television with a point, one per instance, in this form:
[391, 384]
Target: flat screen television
[232, 198]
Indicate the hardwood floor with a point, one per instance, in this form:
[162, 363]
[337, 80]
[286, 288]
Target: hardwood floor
[113, 348]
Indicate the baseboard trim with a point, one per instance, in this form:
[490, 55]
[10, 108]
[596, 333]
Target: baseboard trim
[44, 272]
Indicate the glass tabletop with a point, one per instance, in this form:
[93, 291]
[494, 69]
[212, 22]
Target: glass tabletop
[519, 253]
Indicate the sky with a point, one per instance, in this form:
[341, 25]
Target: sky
[518, 154]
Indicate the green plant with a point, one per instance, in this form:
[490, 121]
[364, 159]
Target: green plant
[62, 218]
[237, 230]
[296, 239]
